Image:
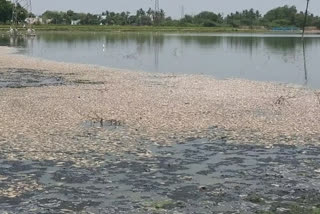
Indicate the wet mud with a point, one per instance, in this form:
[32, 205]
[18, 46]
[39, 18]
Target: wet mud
[200, 176]
[22, 78]
[197, 175]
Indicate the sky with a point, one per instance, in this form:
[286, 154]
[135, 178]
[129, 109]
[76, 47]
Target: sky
[171, 7]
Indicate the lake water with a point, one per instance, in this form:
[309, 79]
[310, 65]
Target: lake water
[263, 57]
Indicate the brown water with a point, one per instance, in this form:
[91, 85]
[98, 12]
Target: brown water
[263, 57]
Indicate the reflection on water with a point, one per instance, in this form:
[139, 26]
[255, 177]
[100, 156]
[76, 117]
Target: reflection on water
[280, 58]
[305, 62]
[13, 41]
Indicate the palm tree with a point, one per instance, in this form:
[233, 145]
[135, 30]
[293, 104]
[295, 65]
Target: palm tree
[150, 12]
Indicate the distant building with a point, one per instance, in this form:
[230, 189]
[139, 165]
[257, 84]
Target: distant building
[34, 20]
[48, 21]
[75, 22]
[313, 30]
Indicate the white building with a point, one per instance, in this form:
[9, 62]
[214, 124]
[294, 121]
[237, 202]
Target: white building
[75, 22]
[35, 20]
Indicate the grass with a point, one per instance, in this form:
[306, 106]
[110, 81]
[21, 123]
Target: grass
[97, 28]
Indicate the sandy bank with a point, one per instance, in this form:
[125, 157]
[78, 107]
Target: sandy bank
[147, 107]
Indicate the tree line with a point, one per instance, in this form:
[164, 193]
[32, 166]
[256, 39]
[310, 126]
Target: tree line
[277, 17]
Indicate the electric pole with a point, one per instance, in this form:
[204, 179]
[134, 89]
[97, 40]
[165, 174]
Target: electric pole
[156, 6]
[182, 11]
[305, 19]
[304, 45]
[156, 12]
[26, 4]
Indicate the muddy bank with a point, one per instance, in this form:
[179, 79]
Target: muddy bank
[159, 105]
[80, 138]
[20, 78]
[200, 176]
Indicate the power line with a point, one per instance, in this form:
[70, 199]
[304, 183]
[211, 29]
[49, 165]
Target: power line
[156, 6]
[156, 11]
[182, 11]
[26, 4]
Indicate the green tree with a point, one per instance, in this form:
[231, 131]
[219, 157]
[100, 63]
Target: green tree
[206, 17]
[69, 16]
[246, 17]
[5, 11]
[150, 12]
[281, 16]
[142, 18]
[21, 13]
[141, 12]
[55, 16]
[89, 19]
[186, 20]
[317, 23]
[132, 20]
[146, 20]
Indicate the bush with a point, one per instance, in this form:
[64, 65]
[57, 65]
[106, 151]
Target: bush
[209, 23]
[317, 24]
[280, 23]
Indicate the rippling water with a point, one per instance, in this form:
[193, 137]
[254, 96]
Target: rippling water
[263, 57]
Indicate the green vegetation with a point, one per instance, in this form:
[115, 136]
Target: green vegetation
[289, 16]
[6, 8]
[244, 18]
[115, 28]
[286, 16]
[278, 17]
[5, 11]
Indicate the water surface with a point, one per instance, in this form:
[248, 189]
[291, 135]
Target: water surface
[263, 57]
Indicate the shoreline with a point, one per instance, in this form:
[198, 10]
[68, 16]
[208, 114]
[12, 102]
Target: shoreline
[93, 28]
[174, 104]
[146, 29]
[81, 138]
